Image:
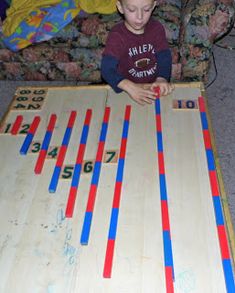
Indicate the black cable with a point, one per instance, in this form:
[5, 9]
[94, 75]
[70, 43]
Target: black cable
[222, 45]
[227, 47]
[219, 43]
[216, 72]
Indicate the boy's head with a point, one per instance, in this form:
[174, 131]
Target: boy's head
[136, 13]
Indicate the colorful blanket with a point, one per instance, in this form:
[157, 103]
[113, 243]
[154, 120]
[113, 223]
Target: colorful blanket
[20, 10]
[30, 22]
[41, 24]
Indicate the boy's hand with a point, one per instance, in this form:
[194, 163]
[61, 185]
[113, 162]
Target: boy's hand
[165, 87]
[138, 92]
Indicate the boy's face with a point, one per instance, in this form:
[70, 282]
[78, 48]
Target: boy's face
[136, 13]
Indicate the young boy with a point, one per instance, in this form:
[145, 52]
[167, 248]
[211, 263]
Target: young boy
[137, 57]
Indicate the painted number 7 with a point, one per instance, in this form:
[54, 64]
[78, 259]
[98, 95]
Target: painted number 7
[110, 156]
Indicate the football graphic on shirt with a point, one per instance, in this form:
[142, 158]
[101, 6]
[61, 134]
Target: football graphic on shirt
[142, 63]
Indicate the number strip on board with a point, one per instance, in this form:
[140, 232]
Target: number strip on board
[62, 152]
[29, 137]
[168, 255]
[45, 145]
[116, 198]
[95, 180]
[221, 230]
[78, 166]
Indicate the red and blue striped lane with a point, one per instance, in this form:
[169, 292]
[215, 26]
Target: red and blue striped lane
[45, 145]
[95, 180]
[62, 152]
[168, 255]
[117, 197]
[30, 135]
[215, 192]
[78, 165]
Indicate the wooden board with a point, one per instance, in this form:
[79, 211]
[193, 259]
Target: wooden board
[40, 249]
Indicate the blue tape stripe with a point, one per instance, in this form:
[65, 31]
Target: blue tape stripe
[54, 179]
[210, 160]
[96, 173]
[125, 129]
[167, 249]
[67, 136]
[113, 224]
[204, 120]
[103, 131]
[84, 134]
[228, 273]
[86, 228]
[46, 140]
[159, 142]
[157, 106]
[120, 169]
[76, 175]
[26, 144]
[163, 190]
[218, 210]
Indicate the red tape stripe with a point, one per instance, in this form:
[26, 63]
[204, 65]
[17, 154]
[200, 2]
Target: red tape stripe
[100, 150]
[52, 122]
[161, 164]
[34, 125]
[117, 194]
[71, 202]
[40, 162]
[108, 259]
[223, 242]
[16, 125]
[88, 117]
[91, 198]
[80, 153]
[123, 148]
[72, 119]
[61, 156]
[106, 115]
[165, 216]
[169, 280]
[201, 104]
[214, 183]
[127, 113]
[207, 139]
[158, 123]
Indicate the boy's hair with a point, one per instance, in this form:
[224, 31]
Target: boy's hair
[122, 1]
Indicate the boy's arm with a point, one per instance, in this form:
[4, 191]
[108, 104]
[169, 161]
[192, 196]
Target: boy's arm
[164, 65]
[137, 92]
[140, 93]
[110, 73]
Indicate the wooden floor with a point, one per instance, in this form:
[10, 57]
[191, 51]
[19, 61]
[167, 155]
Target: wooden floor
[40, 249]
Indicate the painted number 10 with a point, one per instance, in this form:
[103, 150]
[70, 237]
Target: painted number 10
[185, 104]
